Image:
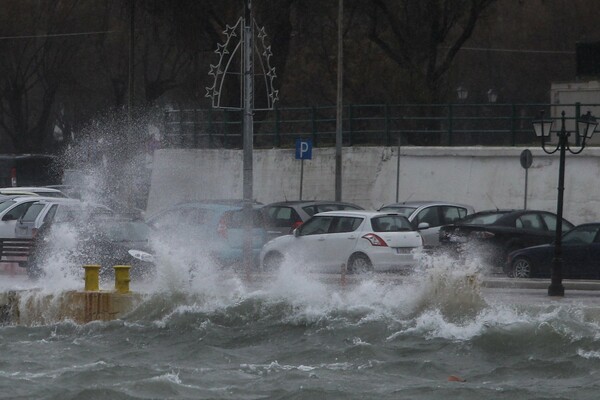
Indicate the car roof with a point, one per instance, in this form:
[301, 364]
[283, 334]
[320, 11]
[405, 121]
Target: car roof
[34, 189]
[22, 199]
[15, 193]
[358, 213]
[223, 202]
[506, 214]
[207, 205]
[421, 203]
[57, 200]
[310, 202]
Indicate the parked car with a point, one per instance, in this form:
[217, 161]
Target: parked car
[281, 218]
[43, 210]
[362, 240]
[495, 233]
[211, 228]
[107, 240]
[11, 210]
[39, 190]
[428, 216]
[580, 256]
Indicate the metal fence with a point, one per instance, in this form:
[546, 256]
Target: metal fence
[372, 124]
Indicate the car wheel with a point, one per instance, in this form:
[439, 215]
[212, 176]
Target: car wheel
[359, 264]
[521, 268]
[272, 261]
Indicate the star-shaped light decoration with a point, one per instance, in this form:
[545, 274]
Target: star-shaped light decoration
[261, 33]
[230, 30]
[267, 53]
[230, 50]
[215, 70]
[222, 49]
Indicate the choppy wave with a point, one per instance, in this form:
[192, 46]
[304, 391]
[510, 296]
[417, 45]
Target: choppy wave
[203, 332]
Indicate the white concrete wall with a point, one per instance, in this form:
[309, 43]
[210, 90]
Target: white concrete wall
[484, 177]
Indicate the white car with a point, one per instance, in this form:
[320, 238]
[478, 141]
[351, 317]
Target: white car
[44, 210]
[361, 240]
[11, 210]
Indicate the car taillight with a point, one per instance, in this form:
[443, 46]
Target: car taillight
[482, 235]
[13, 177]
[375, 240]
[296, 225]
[222, 228]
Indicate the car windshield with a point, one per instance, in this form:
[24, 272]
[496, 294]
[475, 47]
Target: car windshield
[78, 213]
[6, 204]
[483, 219]
[402, 210]
[124, 231]
[390, 223]
[581, 235]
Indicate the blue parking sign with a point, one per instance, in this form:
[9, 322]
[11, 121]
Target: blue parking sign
[303, 149]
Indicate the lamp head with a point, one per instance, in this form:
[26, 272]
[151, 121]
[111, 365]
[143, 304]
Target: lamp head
[462, 93]
[542, 127]
[586, 125]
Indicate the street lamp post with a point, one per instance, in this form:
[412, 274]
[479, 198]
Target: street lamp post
[586, 125]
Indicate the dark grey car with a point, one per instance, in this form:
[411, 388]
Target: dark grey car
[281, 218]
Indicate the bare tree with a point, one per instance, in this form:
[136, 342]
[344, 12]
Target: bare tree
[32, 71]
[423, 37]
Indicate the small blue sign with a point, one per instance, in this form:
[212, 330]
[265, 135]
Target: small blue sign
[303, 149]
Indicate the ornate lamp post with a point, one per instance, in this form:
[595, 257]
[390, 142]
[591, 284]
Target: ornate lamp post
[586, 125]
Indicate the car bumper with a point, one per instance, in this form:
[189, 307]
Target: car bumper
[390, 260]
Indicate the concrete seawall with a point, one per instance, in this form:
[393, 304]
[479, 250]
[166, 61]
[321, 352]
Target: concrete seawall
[484, 177]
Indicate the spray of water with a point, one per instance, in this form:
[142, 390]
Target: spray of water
[442, 298]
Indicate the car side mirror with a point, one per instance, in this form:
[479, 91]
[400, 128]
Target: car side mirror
[8, 217]
[296, 232]
[423, 225]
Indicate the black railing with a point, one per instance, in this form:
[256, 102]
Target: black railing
[374, 124]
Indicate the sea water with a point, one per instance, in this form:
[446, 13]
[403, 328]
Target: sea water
[207, 333]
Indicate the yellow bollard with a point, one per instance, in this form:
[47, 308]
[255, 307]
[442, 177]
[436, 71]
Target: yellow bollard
[122, 278]
[92, 274]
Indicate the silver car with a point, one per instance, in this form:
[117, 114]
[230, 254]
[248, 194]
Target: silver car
[429, 216]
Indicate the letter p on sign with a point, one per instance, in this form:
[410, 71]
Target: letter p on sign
[303, 149]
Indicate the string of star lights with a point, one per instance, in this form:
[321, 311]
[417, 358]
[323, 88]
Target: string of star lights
[232, 48]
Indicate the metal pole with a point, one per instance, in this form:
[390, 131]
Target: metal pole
[398, 169]
[556, 287]
[131, 62]
[248, 134]
[301, 176]
[526, 179]
[338, 131]
[127, 192]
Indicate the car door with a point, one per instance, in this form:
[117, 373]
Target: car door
[580, 252]
[309, 248]
[447, 215]
[10, 217]
[24, 225]
[340, 242]
[432, 216]
[280, 220]
[530, 231]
